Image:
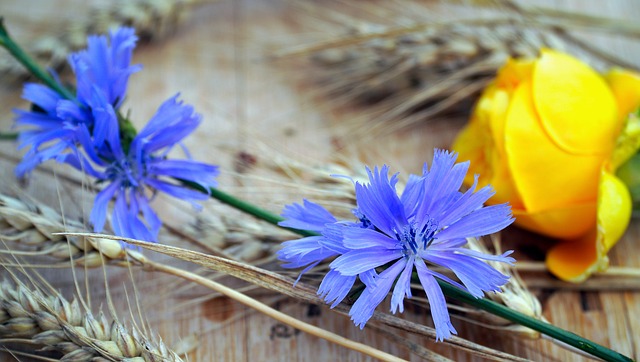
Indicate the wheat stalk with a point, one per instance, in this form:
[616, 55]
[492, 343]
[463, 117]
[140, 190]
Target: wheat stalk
[27, 221]
[48, 321]
[32, 225]
[284, 285]
[410, 71]
[28, 225]
[152, 19]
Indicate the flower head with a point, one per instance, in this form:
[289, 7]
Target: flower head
[395, 235]
[56, 124]
[548, 134]
[133, 175]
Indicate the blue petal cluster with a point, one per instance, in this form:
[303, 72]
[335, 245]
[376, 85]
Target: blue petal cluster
[133, 176]
[55, 124]
[394, 236]
[85, 132]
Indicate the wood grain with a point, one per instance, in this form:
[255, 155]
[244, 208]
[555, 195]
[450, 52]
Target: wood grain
[217, 60]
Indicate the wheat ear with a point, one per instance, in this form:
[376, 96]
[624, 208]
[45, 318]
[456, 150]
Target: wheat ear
[152, 19]
[31, 317]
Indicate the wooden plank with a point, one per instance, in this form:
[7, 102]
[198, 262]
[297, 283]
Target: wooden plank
[217, 60]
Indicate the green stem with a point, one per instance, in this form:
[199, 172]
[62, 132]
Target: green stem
[449, 290]
[28, 62]
[8, 136]
[550, 330]
[246, 207]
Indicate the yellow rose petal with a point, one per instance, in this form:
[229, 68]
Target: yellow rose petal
[628, 142]
[626, 88]
[575, 105]
[567, 222]
[575, 260]
[545, 176]
[470, 144]
[514, 72]
[614, 210]
[482, 143]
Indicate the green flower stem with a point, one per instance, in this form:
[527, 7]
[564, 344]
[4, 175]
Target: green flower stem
[246, 207]
[28, 62]
[535, 324]
[8, 136]
[449, 290]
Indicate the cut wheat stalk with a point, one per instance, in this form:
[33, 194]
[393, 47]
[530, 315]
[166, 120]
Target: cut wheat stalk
[108, 250]
[407, 71]
[281, 284]
[47, 321]
[31, 225]
[94, 252]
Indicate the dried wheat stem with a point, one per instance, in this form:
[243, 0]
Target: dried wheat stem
[31, 317]
[153, 19]
[105, 249]
[387, 33]
[612, 271]
[277, 315]
[276, 282]
[32, 226]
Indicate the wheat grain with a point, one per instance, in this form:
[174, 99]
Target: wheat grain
[152, 19]
[54, 324]
[34, 226]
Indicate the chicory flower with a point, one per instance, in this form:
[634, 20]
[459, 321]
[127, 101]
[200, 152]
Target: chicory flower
[134, 173]
[396, 236]
[56, 124]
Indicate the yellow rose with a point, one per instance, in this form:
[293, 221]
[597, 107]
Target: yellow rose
[548, 135]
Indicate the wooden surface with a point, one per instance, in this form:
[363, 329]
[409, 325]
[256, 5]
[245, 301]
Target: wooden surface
[216, 59]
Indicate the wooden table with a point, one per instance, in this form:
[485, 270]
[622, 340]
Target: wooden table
[217, 60]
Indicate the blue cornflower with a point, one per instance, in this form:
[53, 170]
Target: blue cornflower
[133, 176]
[428, 223]
[56, 124]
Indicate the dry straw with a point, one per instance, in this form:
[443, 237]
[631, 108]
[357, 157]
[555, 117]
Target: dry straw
[27, 224]
[411, 70]
[152, 19]
[44, 321]
[26, 219]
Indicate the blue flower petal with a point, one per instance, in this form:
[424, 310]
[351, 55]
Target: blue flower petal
[402, 288]
[438, 304]
[101, 205]
[481, 222]
[358, 238]
[361, 260]
[412, 195]
[335, 287]
[45, 97]
[309, 216]
[380, 203]
[371, 297]
[476, 275]
[201, 173]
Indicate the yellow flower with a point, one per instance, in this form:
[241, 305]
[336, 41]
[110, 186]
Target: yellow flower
[548, 135]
